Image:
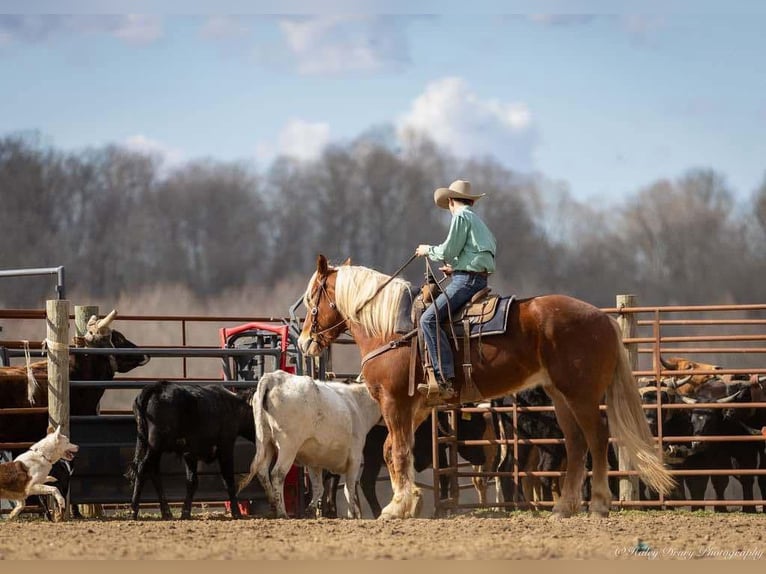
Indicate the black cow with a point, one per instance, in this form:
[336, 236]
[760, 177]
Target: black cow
[675, 422]
[195, 422]
[709, 455]
[471, 426]
[748, 422]
[540, 457]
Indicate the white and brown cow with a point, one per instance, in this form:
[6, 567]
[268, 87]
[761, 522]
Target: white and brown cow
[319, 425]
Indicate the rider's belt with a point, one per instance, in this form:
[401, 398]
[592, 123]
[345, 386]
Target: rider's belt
[477, 273]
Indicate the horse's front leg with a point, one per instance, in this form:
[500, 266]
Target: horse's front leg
[407, 499]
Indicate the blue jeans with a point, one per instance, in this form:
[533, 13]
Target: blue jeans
[460, 290]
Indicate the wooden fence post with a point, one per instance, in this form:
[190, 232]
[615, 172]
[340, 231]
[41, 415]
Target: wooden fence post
[629, 327]
[81, 315]
[57, 314]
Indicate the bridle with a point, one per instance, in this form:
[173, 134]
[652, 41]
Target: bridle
[316, 335]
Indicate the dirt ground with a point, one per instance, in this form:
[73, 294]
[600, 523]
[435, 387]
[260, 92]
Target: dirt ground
[485, 535]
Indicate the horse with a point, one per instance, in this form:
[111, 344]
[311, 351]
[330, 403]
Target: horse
[570, 347]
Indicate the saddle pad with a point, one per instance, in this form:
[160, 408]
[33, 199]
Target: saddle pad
[495, 326]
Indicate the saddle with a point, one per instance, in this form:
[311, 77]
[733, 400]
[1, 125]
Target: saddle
[485, 309]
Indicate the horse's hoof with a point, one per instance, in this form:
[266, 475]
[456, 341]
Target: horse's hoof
[561, 514]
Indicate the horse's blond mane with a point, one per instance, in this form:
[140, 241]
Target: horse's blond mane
[355, 285]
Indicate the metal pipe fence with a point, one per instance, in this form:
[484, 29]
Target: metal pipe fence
[654, 341]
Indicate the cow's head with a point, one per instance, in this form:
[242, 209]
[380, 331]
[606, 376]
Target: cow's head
[100, 335]
[687, 383]
[650, 392]
[707, 421]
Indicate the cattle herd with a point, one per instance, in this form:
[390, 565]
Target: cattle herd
[335, 429]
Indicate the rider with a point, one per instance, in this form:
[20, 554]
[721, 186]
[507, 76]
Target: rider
[469, 257]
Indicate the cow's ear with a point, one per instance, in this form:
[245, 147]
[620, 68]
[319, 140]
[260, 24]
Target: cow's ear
[322, 265]
[347, 261]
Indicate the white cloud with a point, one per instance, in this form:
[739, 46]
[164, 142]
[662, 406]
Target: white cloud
[36, 28]
[643, 29]
[138, 28]
[455, 117]
[224, 28]
[299, 139]
[170, 156]
[334, 44]
[562, 19]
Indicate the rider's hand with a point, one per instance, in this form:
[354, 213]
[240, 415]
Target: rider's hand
[446, 269]
[421, 250]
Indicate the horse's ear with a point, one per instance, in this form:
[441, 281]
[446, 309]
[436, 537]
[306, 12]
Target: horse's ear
[322, 265]
[347, 261]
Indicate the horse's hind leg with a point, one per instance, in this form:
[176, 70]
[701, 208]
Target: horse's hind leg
[597, 436]
[577, 448]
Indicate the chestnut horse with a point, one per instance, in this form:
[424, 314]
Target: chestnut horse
[570, 347]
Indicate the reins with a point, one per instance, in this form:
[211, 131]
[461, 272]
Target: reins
[384, 284]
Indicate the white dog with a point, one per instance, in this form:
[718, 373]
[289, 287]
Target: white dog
[28, 473]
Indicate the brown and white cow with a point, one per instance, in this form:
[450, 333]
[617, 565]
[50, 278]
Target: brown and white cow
[17, 390]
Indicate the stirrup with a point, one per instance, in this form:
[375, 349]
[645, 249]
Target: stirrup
[430, 387]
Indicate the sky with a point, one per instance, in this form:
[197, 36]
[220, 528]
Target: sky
[606, 102]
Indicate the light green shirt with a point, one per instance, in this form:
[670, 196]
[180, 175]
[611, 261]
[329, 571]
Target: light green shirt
[470, 245]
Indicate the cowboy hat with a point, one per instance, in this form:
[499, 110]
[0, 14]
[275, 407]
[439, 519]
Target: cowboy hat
[458, 189]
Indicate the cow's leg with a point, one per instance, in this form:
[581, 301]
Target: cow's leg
[285, 459]
[226, 464]
[577, 449]
[190, 462]
[352, 497]
[399, 418]
[369, 481]
[259, 467]
[153, 466]
[329, 496]
[480, 483]
[697, 486]
[719, 486]
[317, 490]
[143, 465]
[747, 457]
[350, 488]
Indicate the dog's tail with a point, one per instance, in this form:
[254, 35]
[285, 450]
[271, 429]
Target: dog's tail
[142, 436]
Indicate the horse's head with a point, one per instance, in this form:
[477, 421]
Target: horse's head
[323, 323]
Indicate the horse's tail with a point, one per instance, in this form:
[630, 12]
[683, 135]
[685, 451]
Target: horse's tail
[627, 423]
[262, 429]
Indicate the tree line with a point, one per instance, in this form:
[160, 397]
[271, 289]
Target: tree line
[120, 221]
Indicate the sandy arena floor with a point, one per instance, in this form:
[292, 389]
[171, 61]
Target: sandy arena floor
[642, 535]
